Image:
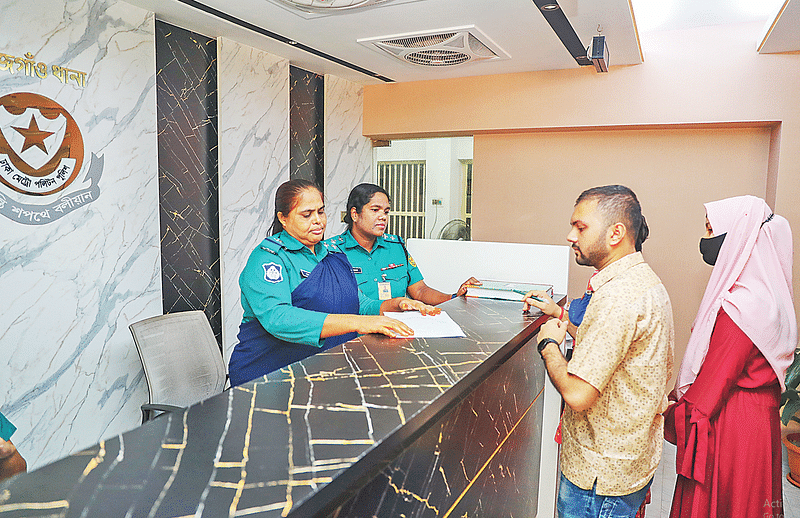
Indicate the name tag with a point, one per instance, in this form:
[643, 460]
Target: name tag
[384, 291]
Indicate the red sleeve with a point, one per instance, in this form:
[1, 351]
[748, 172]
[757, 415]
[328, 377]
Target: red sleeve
[728, 353]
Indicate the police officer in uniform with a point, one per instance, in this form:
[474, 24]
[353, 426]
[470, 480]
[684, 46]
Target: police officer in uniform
[382, 265]
[300, 296]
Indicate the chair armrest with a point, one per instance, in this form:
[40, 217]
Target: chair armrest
[149, 410]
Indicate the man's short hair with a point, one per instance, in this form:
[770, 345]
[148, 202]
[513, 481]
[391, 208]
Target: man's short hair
[618, 204]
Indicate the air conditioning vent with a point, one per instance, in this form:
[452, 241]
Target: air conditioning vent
[441, 48]
[437, 58]
[328, 6]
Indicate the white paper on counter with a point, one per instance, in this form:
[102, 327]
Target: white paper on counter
[428, 326]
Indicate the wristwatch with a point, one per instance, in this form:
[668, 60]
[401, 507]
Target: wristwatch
[543, 343]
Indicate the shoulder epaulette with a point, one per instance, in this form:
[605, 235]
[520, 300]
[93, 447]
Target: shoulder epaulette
[332, 247]
[335, 240]
[272, 244]
[391, 238]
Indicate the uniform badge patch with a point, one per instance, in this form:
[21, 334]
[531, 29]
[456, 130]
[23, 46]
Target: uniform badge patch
[272, 272]
[411, 261]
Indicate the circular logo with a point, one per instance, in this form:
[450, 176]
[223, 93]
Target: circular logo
[41, 147]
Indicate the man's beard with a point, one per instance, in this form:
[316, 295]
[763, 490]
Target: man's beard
[594, 255]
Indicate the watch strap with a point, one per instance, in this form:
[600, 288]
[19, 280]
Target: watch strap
[543, 343]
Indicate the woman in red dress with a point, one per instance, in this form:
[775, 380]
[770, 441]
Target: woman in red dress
[725, 421]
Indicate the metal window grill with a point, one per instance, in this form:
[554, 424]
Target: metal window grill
[468, 194]
[405, 183]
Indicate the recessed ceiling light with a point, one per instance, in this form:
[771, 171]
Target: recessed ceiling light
[550, 7]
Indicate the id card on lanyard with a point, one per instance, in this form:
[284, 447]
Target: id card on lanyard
[384, 290]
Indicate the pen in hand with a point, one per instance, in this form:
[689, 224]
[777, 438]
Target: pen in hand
[531, 297]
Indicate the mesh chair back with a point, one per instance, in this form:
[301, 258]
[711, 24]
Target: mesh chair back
[182, 361]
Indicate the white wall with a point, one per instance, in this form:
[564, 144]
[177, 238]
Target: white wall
[72, 375]
[253, 126]
[348, 154]
[71, 286]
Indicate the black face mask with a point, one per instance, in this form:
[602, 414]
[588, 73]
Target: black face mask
[709, 247]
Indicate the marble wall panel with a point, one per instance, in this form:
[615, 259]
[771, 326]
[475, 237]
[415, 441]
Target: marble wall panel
[186, 87]
[72, 284]
[306, 125]
[253, 160]
[348, 154]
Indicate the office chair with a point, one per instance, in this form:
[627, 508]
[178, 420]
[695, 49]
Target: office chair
[181, 359]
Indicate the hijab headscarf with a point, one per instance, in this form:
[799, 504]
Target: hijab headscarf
[751, 281]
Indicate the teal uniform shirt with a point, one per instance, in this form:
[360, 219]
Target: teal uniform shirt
[6, 428]
[387, 262]
[273, 270]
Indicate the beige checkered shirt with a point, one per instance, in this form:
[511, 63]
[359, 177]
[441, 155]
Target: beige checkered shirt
[624, 348]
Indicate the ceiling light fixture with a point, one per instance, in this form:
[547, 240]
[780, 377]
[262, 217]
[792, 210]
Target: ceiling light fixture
[558, 21]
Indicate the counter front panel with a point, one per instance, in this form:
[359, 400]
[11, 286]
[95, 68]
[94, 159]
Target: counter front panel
[376, 426]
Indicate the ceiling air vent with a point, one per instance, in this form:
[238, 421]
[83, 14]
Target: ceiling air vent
[328, 6]
[441, 48]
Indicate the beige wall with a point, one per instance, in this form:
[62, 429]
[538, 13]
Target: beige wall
[671, 171]
[705, 117]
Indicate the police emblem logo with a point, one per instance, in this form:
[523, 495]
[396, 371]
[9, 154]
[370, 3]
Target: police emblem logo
[272, 272]
[41, 147]
[411, 261]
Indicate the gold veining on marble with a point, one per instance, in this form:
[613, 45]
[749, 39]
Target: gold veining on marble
[56, 504]
[492, 456]
[405, 492]
[245, 455]
[96, 460]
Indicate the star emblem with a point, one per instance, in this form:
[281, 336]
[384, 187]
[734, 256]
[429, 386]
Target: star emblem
[33, 136]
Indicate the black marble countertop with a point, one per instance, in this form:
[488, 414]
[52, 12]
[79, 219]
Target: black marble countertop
[290, 444]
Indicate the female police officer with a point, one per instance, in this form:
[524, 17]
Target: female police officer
[300, 296]
[382, 265]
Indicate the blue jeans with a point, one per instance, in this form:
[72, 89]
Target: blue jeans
[574, 502]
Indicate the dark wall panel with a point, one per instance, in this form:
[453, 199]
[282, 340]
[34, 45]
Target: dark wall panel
[481, 459]
[306, 115]
[186, 83]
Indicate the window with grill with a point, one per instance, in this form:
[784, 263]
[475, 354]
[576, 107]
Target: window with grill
[405, 183]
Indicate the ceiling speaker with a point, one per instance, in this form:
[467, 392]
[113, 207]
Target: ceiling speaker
[598, 53]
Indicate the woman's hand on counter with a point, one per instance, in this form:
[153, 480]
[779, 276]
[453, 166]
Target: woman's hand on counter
[385, 326]
[407, 304]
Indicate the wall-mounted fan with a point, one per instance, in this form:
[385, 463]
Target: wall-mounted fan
[456, 230]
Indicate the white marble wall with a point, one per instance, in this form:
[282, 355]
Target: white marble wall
[71, 287]
[253, 160]
[74, 285]
[348, 154]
